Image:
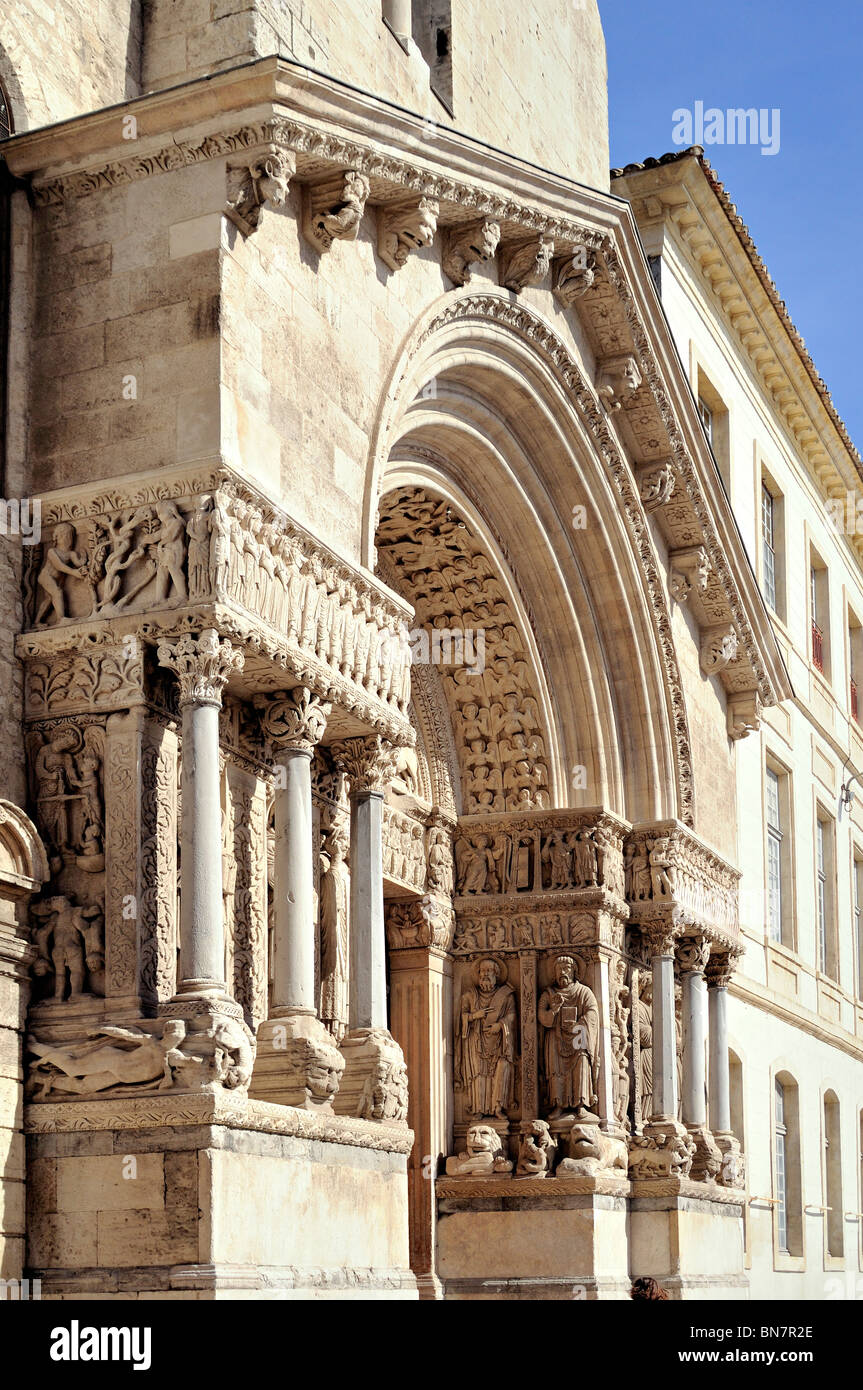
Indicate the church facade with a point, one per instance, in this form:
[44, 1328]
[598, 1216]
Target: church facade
[395, 902]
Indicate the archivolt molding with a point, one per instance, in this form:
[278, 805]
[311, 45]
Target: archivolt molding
[499, 309]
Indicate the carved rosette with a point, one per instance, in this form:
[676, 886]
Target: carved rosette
[465, 246]
[202, 666]
[406, 228]
[526, 263]
[718, 648]
[368, 763]
[296, 720]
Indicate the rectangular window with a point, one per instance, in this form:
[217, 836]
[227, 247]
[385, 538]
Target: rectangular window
[706, 418]
[855, 663]
[858, 922]
[819, 613]
[781, 1198]
[768, 548]
[821, 880]
[774, 856]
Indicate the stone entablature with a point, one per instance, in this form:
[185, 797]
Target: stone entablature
[673, 877]
[529, 856]
[203, 550]
[383, 162]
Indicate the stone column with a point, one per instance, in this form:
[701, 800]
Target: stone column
[374, 1085]
[202, 665]
[670, 1145]
[605, 1060]
[692, 956]
[298, 1062]
[719, 970]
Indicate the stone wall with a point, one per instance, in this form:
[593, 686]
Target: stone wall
[531, 80]
[61, 58]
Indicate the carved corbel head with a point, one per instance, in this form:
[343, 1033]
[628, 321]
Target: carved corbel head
[526, 263]
[405, 229]
[617, 379]
[718, 648]
[690, 571]
[656, 483]
[333, 209]
[743, 714]
[574, 275]
[257, 182]
[463, 246]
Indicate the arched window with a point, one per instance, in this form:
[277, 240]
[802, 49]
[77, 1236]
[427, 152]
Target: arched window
[835, 1215]
[786, 1167]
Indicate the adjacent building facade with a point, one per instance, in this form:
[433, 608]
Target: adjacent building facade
[421, 865]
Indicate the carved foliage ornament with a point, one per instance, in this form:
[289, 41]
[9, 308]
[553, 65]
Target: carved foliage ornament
[295, 720]
[202, 665]
[369, 763]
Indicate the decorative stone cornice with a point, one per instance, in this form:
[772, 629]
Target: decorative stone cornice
[467, 245]
[203, 666]
[368, 763]
[297, 719]
[526, 263]
[406, 228]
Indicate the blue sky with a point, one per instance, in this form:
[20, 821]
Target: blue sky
[803, 205]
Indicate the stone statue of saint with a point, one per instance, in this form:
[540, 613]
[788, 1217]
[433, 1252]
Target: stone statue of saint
[486, 1042]
[334, 895]
[569, 1013]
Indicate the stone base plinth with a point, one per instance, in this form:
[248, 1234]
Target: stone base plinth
[693, 1244]
[213, 1197]
[297, 1063]
[558, 1238]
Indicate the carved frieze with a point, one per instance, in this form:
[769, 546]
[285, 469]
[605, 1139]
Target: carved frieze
[404, 851]
[419, 924]
[672, 878]
[537, 854]
[110, 678]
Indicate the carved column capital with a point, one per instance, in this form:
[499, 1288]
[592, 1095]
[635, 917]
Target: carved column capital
[477, 241]
[660, 937]
[368, 763]
[720, 968]
[202, 665]
[296, 719]
[693, 953]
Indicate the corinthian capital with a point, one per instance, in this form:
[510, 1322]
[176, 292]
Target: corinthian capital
[369, 763]
[201, 664]
[296, 719]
